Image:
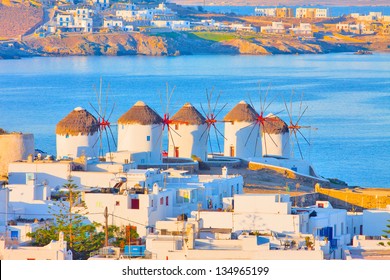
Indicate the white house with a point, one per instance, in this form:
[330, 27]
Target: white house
[189, 136]
[65, 19]
[173, 196]
[326, 221]
[55, 250]
[140, 132]
[242, 132]
[276, 27]
[113, 23]
[322, 13]
[80, 12]
[265, 12]
[163, 12]
[101, 3]
[175, 25]
[86, 24]
[77, 134]
[79, 19]
[302, 29]
[127, 15]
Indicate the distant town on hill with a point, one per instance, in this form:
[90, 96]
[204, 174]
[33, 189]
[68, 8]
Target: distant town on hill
[282, 2]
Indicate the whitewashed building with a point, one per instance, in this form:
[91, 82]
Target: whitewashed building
[77, 134]
[55, 250]
[65, 19]
[101, 3]
[242, 133]
[127, 15]
[302, 29]
[176, 25]
[113, 23]
[75, 20]
[322, 13]
[276, 27]
[173, 196]
[140, 132]
[189, 136]
[265, 12]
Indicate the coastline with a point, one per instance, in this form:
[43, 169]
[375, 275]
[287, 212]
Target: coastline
[169, 44]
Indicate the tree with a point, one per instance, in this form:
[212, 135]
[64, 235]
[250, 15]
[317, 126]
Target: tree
[386, 235]
[68, 216]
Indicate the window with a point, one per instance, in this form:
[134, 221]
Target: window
[342, 228]
[176, 126]
[117, 203]
[148, 138]
[166, 201]
[161, 201]
[134, 203]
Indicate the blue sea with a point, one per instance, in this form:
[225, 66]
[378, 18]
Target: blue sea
[335, 11]
[348, 98]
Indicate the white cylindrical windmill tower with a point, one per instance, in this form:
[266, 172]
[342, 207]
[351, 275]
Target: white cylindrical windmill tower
[186, 138]
[242, 137]
[275, 138]
[77, 134]
[140, 132]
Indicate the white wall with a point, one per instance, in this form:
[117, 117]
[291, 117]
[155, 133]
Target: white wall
[54, 173]
[14, 147]
[262, 203]
[119, 208]
[237, 134]
[375, 221]
[188, 140]
[75, 146]
[277, 145]
[4, 198]
[354, 221]
[213, 219]
[54, 251]
[134, 138]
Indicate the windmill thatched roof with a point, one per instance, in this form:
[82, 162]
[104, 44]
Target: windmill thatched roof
[78, 121]
[140, 113]
[274, 125]
[189, 115]
[242, 112]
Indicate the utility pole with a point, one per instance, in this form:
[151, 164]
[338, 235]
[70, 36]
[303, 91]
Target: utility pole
[106, 226]
[70, 216]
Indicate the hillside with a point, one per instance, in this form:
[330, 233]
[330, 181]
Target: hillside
[183, 43]
[17, 19]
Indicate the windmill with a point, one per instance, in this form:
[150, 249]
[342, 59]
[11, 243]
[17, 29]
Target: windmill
[295, 127]
[104, 124]
[266, 127]
[167, 122]
[211, 121]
